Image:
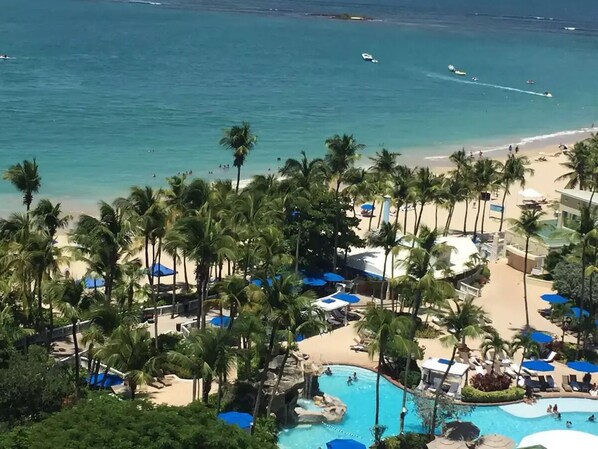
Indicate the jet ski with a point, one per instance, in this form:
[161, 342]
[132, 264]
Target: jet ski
[547, 94]
[530, 82]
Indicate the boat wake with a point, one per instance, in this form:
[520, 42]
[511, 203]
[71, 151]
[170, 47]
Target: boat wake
[143, 2]
[478, 83]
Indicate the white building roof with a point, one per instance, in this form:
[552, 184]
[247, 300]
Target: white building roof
[439, 366]
[531, 195]
[371, 260]
[580, 195]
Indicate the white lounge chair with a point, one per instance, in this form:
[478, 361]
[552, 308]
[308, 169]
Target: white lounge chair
[550, 357]
[480, 370]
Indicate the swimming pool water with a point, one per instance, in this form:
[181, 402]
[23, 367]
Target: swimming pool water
[360, 398]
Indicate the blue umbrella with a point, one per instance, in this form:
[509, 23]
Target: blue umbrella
[243, 420]
[537, 365]
[299, 337]
[578, 313]
[347, 297]
[367, 207]
[332, 277]
[344, 444]
[553, 298]
[258, 282]
[93, 282]
[314, 282]
[541, 337]
[583, 366]
[160, 270]
[220, 321]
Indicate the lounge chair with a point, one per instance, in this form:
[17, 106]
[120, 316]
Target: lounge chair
[551, 383]
[359, 348]
[165, 381]
[452, 391]
[550, 358]
[509, 372]
[574, 383]
[333, 322]
[154, 383]
[565, 384]
[480, 370]
[436, 385]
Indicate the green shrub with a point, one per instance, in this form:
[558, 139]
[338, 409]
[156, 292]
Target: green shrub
[409, 440]
[427, 331]
[470, 394]
[104, 421]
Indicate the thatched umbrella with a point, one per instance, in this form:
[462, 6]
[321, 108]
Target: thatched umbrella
[461, 431]
[445, 443]
[495, 441]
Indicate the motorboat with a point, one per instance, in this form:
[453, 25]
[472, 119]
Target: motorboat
[452, 69]
[569, 28]
[547, 94]
[367, 57]
[4, 57]
[530, 82]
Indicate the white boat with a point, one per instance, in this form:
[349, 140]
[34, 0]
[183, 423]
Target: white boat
[530, 82]
[367, 57]
[569, 28]
[451, 68]
[547, 94]
[454, 70]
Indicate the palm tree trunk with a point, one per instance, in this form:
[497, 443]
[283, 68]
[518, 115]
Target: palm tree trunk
[76, 348]
[156, 298]
[219, 395]
[483, 218]
[377, 430]
[173, 285]
[297, 249]
[436, 217]
[206, 387]
[525, 282]
[199, 295]
[238, 178]
[502, 205]
[449, 218]
[185, 272]
[278, 378]
[419, 218]
[405, 219]
[418, 297]
[380, 215]
[264, 373]
[475, 224]
[465, 219]
[383, 279]
[372, 215]
[397, 214]
[439, 390]
[583, 290]
[51, 323]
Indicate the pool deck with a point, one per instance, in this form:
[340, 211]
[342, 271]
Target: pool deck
[538, 409]
[561, 439]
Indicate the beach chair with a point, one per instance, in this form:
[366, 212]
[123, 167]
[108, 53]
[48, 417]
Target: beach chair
[436, 385]
[157, 385]
[359, 348]
[509, 372]
[550, 358]
[565, 384]
[574, 383]
[551, 383]
[165, 381]
[452, 391]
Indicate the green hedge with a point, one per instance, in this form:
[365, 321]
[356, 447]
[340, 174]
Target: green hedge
[470, 394]
[407, 441]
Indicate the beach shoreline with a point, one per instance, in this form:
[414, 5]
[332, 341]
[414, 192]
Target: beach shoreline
[532, 147]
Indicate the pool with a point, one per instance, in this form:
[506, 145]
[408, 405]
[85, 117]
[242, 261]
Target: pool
[515, 421]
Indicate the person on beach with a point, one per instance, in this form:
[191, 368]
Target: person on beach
[549, 409]
[516, 149]
[510, 149]
[555, 409]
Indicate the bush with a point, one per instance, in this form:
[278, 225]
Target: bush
[410, 440]
[471, 394]
[32, 386]
[490, 382]
[104, 421]
[427, 331]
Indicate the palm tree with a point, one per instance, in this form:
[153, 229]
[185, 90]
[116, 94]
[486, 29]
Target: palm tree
[402, 189]
[103, 242]
[495, 344]
[129, 350]
[240, 140]
[205, 243]
[389, 330]
[49, 217]
[582, 162]
[384, 163]
[70, 303]
[26, 178]
[485, 178]
[342, 153]
[276, 300]
[424, 185]
[524, 342]
[464, 320]
[233, 291]
[426, 256]
[387, 237]
[527, 225]
[515, 170]
[304, 173]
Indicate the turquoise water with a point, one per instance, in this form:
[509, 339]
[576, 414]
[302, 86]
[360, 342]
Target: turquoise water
[359, 419]
[109, 93]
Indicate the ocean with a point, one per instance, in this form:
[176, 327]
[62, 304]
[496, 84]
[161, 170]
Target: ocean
[107, 94]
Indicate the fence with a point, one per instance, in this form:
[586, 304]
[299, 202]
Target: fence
[67, 331]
